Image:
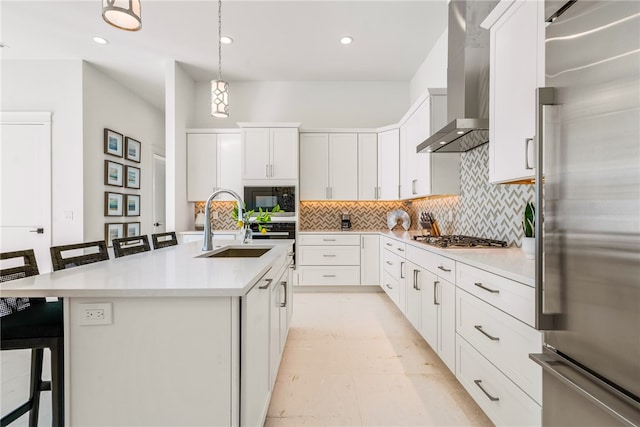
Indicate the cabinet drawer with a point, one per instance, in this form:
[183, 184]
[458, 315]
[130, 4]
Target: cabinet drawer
[394, 246]
[393, 264]
[503, 402]
[329, 239]
[391, 286]
[340, 275]
[329, 255]
[505, 341]
[437, 264]
[511, 297]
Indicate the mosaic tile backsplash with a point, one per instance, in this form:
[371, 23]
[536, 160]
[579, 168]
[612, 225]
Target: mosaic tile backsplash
[482, 209]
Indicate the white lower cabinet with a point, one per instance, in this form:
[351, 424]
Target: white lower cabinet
[370, 259]
[503, 402]
[328, 259]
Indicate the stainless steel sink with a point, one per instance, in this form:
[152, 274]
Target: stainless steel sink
[239, 252]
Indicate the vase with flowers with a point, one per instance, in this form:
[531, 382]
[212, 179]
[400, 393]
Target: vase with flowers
[261, 218]
[529, 228]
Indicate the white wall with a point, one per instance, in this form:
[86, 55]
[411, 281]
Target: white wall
[108, 104]
[54, 86]
[313, 104]
[433, 71]
[179, 112]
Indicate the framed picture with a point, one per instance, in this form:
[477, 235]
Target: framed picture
[133, 150]
[113, 173]
[113, 231]
[113, 205]
[113, 144]
[133, 177]
[133, 229]
[133, 205]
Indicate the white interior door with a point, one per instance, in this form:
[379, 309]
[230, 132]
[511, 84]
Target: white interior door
[25, 184]
[159, 194]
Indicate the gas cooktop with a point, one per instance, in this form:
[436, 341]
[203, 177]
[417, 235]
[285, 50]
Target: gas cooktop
[460, 241]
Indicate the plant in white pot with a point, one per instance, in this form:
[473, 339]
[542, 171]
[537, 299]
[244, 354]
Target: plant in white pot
[529, 227]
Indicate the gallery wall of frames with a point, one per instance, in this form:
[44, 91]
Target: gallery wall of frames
[122, 172]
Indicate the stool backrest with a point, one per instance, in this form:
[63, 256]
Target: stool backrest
[62, 263]
[29, 268]
[130, 245]
[162, 240]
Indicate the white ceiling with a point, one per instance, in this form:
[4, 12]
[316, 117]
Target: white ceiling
[273, 40]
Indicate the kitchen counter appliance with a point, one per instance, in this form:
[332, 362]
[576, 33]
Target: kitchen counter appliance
[345, 222]
[460, 241]
[268, 197]
[588, 216]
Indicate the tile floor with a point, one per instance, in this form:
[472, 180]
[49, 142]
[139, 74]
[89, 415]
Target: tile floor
[352, 359]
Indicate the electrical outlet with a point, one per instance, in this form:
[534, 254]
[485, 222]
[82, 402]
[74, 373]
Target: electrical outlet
[95, 314]
[215, 215]
[450, 216]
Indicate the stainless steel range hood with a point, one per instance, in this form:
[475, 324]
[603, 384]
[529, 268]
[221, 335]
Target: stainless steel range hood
[467, 80]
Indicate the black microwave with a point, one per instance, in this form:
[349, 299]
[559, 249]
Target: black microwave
[268, 197]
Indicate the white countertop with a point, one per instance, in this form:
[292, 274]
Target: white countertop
[169, 272]
[507, 262]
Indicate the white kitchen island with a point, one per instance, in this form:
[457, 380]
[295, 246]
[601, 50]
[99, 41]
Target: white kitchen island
[191, 340]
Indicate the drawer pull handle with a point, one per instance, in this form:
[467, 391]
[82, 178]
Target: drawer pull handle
[328, 275]
[267, 285]
[491, 337]
[491, 398]
[329, 256]
[389, 263]
[388, 244]
[388, 286]
[328, 240]
[444, 269]
[493, 291]
[400, 249]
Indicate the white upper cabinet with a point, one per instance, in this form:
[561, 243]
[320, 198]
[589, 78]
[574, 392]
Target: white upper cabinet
[389, 165]
[517, 69]
[367, 166]
[270, 154]
[213, 161]
[426, 174]
[329, 166]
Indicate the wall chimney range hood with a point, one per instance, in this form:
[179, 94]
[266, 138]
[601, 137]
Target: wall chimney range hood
[467, 80]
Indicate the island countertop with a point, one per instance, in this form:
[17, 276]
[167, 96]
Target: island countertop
[176, 271]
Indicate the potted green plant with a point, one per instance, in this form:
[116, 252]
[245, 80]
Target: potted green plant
[529, 228]
[263, 217]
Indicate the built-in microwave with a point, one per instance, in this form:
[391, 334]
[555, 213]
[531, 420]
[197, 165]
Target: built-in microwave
[268, 197]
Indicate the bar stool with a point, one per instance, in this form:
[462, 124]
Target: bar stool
[60, 262]
[130, 245]
[33, 323]
[162, 240]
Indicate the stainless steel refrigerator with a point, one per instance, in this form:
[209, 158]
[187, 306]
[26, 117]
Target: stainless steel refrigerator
[588, 216]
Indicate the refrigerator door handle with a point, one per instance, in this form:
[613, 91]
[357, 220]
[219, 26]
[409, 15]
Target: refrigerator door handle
[614, 402]
[544, 96]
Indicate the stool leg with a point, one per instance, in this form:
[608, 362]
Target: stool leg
[57, 382]
[36, 381]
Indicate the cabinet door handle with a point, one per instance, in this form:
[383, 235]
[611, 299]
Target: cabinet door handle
[527, 141]
[266, 170]
[284, 285]
[481, 286]
[491, 337]
[389, 263]
[328, 275]
[401, 269]
[413, 186]
[388, 286]
[267, 285]
[448, 270]
[271, 170]
[435, 293]
[415, 280]
[326, 193]
[491, 398]
[379, 193]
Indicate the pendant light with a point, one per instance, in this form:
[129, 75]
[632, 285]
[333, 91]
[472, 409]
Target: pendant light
[219, 88]
[123, 14]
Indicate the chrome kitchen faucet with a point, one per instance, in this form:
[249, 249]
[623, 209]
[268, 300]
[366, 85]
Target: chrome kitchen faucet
[207, 244]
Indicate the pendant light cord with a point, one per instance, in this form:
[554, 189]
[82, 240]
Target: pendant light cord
[219, 39]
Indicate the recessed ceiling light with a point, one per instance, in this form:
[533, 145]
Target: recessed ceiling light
[429, 150]
[100, 40]
[346, 40]
[460, 132]
[226, 40]
[442, 142]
